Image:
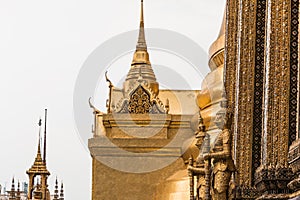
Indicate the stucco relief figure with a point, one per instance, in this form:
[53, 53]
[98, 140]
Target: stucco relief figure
[199, 170]
[222, 163]
[201, 185]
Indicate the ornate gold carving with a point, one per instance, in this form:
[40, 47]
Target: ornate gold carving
[202, 168]
[277, 98]
[231, 50]
[141, 101]
[221, 156]
[242, 95]
[258, 89]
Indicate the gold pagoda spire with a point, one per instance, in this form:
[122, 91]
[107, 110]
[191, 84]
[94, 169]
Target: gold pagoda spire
[141, 45]
[141, 55]
[141, 70]
[38, 158]
[39, 166]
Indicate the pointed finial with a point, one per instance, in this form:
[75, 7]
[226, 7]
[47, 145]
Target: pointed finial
[12, 193]
[39, 143]
[13, 184]
[38, 157]
[141, 55]
[56, 190]
[61, 191]
[142, 41]
[18, 197]
[40, 122]
[45, 137]
[142, 13]
[39, 146]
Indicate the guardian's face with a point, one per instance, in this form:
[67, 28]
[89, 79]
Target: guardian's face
[220, 119]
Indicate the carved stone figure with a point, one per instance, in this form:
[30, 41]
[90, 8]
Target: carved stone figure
[201, 183]
[200, 170]
[223, 165]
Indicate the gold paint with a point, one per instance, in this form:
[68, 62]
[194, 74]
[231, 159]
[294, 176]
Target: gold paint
[141, 55]
[38, 169]
[141, 66]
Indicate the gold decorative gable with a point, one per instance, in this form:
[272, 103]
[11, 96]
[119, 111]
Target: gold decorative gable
[140, 102]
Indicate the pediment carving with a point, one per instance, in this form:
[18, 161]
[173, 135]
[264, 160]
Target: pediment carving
[141, 101]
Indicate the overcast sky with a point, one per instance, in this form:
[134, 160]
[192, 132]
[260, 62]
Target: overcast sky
[43, 46]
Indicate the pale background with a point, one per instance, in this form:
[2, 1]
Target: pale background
[43, 45]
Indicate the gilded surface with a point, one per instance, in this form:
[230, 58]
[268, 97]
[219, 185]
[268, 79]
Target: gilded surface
[260, 64]
[294, 79]
[259, 85]
[221, 156]
[141, 101]
[250, 49]
[276, 129]
[241, 95]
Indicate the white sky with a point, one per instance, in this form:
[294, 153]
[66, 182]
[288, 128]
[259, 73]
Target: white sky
[43, 45]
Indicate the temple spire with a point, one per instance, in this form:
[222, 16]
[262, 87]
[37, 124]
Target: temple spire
[38, 169]
[61, 192]
[12, 192]
[56, 190]
[18, 197]
[141, 55]
[141, 45]
[39, 156]
[141, 70]
[45, 137]
[13, 184]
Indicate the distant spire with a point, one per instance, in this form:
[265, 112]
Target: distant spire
[61, 192]
[12, 192]
[38, 167]
[56, 190]
[39, 144]
[13, 184]
[45, 136]
[18, 197]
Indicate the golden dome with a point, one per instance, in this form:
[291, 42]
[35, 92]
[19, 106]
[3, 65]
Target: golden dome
[216, 51]
[212, 86]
